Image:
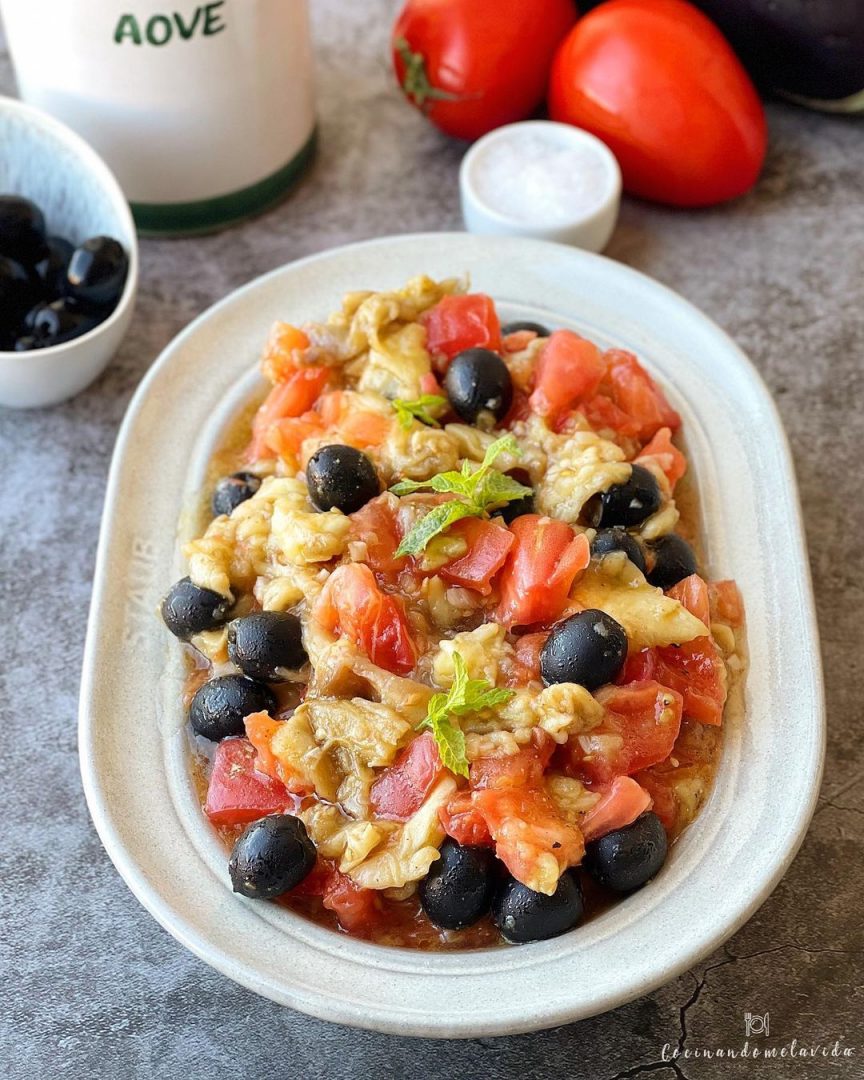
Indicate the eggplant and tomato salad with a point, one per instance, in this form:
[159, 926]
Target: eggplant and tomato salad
[454, 675]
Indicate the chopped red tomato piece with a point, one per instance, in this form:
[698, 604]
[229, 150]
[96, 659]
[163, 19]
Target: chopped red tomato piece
[725, 603]
[430, 385]
[661, 451]
[463, 821]
[601, 412]
[620, 804]
[376, 525]
[237, 792]
[695, 670]
[260, 730]
[541, 566]
[461, 322]
[286, 437]
[520, 409]
[665, 805]
[639, 729]
[522, 769]
[399, 790]
[528, 656]
[356, 908]
[692, 592]
[282, 352]
[352, 603]
[526, 828]
[293, 396]
[488, 545]
[356, 427]
[632, 390]
[517, 341]
[569, 370]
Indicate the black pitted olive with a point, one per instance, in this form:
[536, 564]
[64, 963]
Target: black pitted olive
[477, 382]
[271, 856]
[609, 540]
[517, 508]
[51, 270]
[56, 322]
[523, 915]
[97, 272]
[188, 609]
[219, 706]
[341, 478]
[589, 648]
[525, 324]
[22, 230]
[626, 504]
[233, 490]
[16, 296]
[625, 859]
[267, 645]
[458, 889]
[673, 561]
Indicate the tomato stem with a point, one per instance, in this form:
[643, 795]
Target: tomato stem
[415, 81]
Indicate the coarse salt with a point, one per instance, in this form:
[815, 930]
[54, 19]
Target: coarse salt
[538, 180]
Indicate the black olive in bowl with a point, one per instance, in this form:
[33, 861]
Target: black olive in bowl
[477, 382]
[523, 915]
[271, 856]
[219, 706]
[267, 645]
[22, 230]
[233, 490]
[588, 648]
[617, 539]
[51, 269]
[97, 272]
[515, 509]
[55, 322]
[188, 609]
[341, 478]
[458, 889]
[525, 324]
[625, 859]
[673, 560]
[625, 504]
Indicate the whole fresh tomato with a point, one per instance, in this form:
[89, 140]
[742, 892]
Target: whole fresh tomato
[473, 65]
[660, 85]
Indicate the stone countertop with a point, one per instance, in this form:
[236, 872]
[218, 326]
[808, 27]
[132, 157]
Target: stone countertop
[94, 987]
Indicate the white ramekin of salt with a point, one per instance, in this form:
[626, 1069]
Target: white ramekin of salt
[541, 179]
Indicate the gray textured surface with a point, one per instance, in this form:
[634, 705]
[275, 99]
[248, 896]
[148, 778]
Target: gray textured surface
[92, 986]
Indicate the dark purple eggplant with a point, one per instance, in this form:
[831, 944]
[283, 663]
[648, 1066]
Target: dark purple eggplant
[809, 50]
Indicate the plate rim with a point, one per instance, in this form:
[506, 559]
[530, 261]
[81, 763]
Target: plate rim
[350, 1014]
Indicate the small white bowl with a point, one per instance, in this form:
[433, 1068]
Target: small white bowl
[503, 183]
[47, 162]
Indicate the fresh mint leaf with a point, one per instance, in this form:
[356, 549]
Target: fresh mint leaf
[435, 522]
[409, 411]
[464, 697]
[496, 489]
[479, 488]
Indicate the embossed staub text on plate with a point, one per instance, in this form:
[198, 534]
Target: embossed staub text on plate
[142, 594]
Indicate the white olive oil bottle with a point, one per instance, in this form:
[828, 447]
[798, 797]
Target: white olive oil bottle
[204, 110]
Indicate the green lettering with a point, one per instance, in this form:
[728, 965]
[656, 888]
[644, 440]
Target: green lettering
[128, 27]
[185, 31]
[212, 19]
[153, 23]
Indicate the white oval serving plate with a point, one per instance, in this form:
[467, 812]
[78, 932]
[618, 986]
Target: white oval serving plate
[133, 747]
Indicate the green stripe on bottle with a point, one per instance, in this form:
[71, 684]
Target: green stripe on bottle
[206, 215]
